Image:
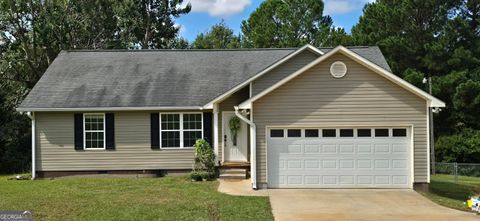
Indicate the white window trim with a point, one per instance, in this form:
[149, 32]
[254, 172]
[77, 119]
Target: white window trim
[180, 130]
[85, 132]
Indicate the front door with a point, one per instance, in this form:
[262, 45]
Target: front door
[235, 150]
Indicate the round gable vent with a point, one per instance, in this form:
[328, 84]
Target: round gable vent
[338, 69]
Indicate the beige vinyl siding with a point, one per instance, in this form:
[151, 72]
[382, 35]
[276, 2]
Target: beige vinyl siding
[362, 97]
[283, 70]
[227, 105]
[55, 146]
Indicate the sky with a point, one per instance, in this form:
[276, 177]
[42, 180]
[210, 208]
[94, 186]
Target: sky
[206, 13]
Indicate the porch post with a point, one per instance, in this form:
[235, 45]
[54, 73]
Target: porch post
[215, 132]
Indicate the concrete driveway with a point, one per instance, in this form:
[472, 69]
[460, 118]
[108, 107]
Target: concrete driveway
[401, 205]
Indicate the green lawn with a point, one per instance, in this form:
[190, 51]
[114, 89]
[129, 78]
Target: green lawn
[445, 192]
[167, 198]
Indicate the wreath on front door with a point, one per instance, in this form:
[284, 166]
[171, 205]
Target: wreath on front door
[235, 126]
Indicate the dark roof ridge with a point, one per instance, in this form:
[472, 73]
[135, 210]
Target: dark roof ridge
[175, 50]
[200, 50]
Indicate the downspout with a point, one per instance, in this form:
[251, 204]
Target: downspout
[31, 115]
[215, 134]
[253, 149]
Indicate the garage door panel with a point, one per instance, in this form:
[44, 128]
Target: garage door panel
[339, 162]
[346, 148]
[346, 164]
[340, 181]
[399, 148]
[312, 164]
[329, 164]
[364, 148]
[294, 149]
[399, 164]
[294, 164]
[381, 163]
[334, 163]
[312, 179]
[329, 148]
[312, 149]
[381, 148]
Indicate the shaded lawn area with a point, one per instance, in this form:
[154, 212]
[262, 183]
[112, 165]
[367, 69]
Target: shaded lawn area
[167, 198]
[454, 195]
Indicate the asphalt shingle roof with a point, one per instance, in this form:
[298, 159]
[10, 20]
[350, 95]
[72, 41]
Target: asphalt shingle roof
[371, 53]
[153, 78]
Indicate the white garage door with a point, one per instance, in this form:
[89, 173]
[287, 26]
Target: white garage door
[339, 158]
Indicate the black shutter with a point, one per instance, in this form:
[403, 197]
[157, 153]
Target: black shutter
[155, 131]
[110, 131]
[207, 127]
[78, 131]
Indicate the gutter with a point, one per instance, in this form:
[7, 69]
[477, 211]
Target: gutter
[253, 149]
[25, 109]
[31, 115]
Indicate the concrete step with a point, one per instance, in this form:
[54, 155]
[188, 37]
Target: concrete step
[233, 171]
[233, 174]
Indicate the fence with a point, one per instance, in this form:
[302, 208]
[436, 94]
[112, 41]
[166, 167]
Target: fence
[458, 169]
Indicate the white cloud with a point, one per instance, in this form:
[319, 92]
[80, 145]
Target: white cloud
[333, 7]
[220, 8]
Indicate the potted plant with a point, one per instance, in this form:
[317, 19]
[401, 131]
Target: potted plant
[235, 126]
[196, 176]
[205, 176]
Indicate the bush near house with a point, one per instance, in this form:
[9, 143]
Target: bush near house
[204, 166]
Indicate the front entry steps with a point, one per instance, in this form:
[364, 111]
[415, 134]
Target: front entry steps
[233, 173]
[234, 170]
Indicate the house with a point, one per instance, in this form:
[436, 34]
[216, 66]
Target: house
[310, 117]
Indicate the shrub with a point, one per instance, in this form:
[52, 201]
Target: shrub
[204, 165]
[195, 176]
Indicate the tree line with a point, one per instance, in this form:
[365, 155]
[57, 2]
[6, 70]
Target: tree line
[419, 38]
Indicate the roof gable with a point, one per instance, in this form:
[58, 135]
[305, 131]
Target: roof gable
[432, 101]
[263, 72]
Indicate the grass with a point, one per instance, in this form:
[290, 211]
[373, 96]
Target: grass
[454, 195]
[167, 198]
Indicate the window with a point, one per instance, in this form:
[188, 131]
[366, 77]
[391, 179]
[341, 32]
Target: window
[94, 129]
[329, 133]
[364, 132]
[381, 132]
[294, 133]
[346, 132]
[192, 129]
[311, 133]
[179, 130]
[276, 133]
[399, 132]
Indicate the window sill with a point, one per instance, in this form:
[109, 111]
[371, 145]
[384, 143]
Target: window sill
[176, 148]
